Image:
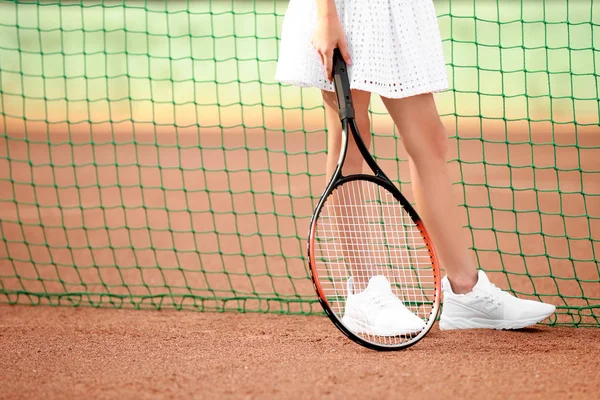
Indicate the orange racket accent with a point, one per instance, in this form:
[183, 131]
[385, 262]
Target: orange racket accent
[312, 264]
[434, 262]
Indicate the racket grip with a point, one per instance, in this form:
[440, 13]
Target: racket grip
[342, 86]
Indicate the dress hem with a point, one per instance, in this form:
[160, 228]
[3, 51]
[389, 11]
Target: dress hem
[366, 88]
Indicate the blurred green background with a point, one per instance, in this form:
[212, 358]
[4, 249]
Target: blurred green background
[212, 63]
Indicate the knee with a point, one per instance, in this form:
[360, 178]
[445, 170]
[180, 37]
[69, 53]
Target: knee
[354, 159]
[429, 142]
[439, 143]
[363, 122]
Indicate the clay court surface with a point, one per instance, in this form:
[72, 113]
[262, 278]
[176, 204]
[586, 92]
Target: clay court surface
[87, 353]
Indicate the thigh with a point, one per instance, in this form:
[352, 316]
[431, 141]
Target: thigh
[419, 124]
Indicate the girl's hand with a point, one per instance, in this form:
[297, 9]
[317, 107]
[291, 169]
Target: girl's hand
[328, 36]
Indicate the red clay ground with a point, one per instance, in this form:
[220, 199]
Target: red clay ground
[87, 353]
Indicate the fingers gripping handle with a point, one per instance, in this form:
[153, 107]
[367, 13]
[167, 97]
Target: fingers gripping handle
[342, 86]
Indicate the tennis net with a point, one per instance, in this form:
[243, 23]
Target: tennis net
[149, 159]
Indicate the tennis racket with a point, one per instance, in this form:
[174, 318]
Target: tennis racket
[372, 263]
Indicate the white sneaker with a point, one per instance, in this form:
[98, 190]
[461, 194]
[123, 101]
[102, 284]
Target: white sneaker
[486, 306]
[377, 311]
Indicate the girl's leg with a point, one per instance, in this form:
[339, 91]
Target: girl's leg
[354, 161]
[470, 301]
[425, 141]
[347, 196]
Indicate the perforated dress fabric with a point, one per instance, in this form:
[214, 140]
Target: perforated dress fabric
[395, 46]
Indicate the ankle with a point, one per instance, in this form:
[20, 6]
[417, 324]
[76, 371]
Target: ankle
[463, 284]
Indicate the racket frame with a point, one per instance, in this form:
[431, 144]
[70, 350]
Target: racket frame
[346, 114]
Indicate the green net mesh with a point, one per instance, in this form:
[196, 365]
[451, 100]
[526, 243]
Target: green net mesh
[148, 158]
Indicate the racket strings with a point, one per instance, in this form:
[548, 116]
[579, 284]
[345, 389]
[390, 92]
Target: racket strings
[364, 232]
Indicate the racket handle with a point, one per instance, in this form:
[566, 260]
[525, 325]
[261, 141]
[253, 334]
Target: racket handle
[342, 86]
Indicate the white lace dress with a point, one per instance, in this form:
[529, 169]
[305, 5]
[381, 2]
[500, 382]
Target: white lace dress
[395, 47]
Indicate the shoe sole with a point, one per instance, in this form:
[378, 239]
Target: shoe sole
[479, 323]
[359, 328]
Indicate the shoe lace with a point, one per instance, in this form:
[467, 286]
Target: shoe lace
[382, 300]
[493, 294]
